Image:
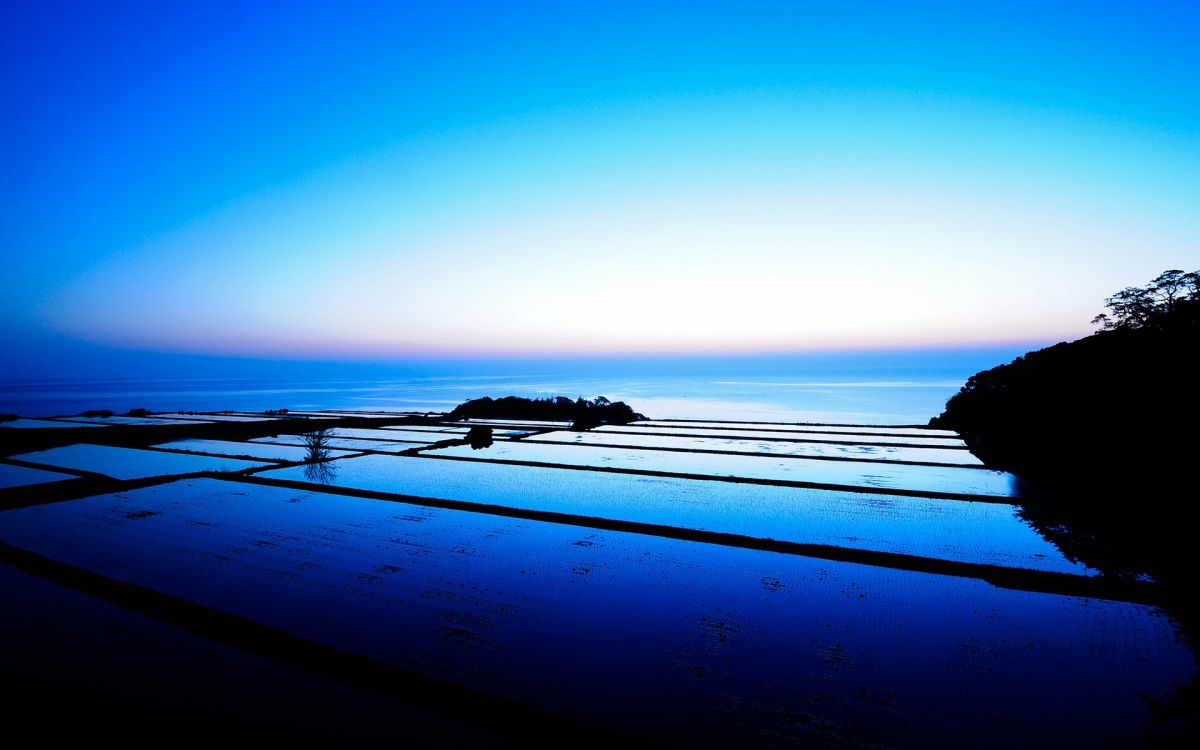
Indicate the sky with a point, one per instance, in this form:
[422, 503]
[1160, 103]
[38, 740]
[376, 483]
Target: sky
[388, 181]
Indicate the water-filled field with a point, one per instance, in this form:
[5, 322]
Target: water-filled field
[871, 475]
[702, 587]
[709, 443]
[131, 463]
[965, 531]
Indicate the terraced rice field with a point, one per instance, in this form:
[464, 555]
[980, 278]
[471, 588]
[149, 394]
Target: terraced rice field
[669, 581]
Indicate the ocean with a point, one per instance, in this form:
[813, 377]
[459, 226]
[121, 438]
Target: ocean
[898, 388]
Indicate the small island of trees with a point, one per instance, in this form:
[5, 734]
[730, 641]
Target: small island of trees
[581, 413]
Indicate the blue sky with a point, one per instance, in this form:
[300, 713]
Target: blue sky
[384, 181]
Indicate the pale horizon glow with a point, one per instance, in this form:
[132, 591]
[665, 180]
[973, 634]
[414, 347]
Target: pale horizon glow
[791, 208]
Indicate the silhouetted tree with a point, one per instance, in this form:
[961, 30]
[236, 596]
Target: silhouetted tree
[479, 436]
[1138, 307]
[317, 443]
[320, 472]
[582, 413]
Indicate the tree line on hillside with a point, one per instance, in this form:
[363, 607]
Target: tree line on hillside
[1102, 429]
[1172, 299]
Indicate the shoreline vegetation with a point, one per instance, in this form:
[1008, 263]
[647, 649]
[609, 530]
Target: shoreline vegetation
[1104, 429]
[581, 413]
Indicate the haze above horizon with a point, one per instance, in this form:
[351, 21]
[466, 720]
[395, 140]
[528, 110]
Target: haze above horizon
[390, 181]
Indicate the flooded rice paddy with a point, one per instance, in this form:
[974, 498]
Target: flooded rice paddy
[678, 582]
[850, 451]
[131, 463]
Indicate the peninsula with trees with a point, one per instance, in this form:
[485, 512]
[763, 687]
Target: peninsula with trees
[1103, 428]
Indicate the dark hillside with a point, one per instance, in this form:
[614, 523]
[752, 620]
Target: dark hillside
[1104, 427]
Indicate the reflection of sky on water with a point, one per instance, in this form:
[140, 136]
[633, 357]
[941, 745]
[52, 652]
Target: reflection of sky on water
[671, 636]
[787, 427]
[19, 476]
[731, 443]
[253, 449]
[419, 432]
[320, 472]
[135, 420]
[875, 475]
[777, 433]
[350, 444]
[942, 529]
[132, 463]
[27, 424]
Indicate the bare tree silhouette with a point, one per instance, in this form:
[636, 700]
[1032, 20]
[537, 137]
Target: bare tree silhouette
[317, 466]
[317, 443]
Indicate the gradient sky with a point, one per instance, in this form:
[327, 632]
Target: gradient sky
[391, 180]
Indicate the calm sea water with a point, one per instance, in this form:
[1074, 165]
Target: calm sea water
[898, 389]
